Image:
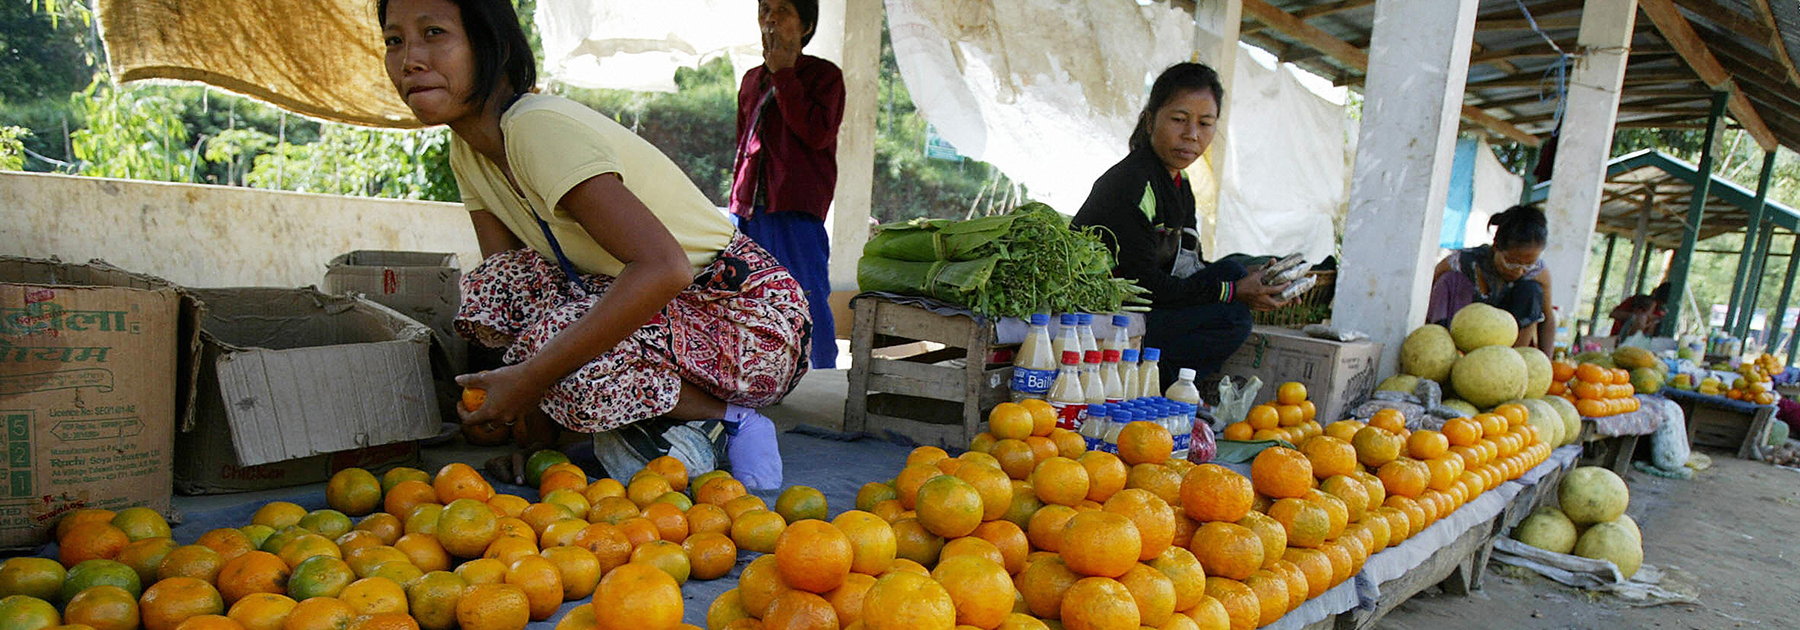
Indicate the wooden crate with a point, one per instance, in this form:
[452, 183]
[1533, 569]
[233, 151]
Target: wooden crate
[1728, 429]
[912, 396]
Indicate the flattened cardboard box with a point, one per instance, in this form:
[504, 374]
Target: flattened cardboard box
[294, 373]
[1337, 375]
[95, 365]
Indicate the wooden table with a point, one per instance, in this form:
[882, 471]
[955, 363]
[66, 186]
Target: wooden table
[1721, 422]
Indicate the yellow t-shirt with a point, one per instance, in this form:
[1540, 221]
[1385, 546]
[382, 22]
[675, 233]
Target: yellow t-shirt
[553, 144]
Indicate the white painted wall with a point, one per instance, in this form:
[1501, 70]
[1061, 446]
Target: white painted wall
[215, 236]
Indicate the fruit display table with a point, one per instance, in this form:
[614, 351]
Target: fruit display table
[1610, 441]
[1721, 422]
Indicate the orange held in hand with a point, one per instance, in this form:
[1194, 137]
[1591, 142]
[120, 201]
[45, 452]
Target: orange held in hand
[473, 397]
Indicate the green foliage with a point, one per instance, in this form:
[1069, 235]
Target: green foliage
[132, 134]
[12, 150]
[37, 59]
[347, 161]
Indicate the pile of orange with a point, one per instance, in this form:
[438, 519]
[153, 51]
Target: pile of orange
[425, 552]
[1754, 382]
[1597, 391]
[1289, 417]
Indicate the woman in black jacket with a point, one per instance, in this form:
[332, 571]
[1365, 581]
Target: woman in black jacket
[1199, 312]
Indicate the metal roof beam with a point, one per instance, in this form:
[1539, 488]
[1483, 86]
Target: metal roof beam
[1307, 13]
[1676, 30]
[1357, 59]
[1773, 39]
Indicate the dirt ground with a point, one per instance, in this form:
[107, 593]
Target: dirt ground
[1723, 537]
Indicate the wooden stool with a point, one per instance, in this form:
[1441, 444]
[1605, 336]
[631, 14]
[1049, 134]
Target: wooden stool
[933, 405]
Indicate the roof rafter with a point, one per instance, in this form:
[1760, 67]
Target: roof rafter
[1680, 35]
[1354, 57]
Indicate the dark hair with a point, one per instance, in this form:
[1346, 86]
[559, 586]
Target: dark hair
[1176, 79]
[499, 45]
[1660, 293]
[809, 18]
[1521, 225]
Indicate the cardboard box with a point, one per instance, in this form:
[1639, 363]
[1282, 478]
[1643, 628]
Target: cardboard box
[425, 286]
[1337, 375]
[288, 374]
[95, 365]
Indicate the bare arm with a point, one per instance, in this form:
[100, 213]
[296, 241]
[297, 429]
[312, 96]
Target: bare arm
[656, 270]
[493, 235]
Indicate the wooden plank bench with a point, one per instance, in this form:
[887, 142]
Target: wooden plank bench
[917, 396]
[1458, 567]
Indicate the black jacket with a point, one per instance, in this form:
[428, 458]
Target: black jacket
[1122, 203]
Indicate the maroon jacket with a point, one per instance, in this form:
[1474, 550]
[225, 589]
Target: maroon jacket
[795, 149]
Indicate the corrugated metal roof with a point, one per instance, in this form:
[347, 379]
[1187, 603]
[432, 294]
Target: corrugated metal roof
[1512, 73]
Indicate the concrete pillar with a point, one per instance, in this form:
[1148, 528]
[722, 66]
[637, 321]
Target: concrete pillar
[1640, 237]
[1216, 24]
[1684, 257]
[1585, 144]
[851, 204]
[1418, 63]
[1747, 254]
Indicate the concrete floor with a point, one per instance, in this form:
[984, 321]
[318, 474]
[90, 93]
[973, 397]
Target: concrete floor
[818, 401]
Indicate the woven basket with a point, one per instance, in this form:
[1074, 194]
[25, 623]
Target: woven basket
[1312, 307]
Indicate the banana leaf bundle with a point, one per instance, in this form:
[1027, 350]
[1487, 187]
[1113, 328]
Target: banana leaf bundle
[1011, 265]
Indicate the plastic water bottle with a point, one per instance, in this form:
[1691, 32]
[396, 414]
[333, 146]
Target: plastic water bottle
[1184, 390]
[1086, 323]
[1092, 384]
[1035, 367]
[1068, 338]
[1128, 374]
[1099, 419]
[1065, 393]
[1119, 420]
[1149, 376]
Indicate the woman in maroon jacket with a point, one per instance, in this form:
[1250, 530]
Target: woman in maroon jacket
[786, 166]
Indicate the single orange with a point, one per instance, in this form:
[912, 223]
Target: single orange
[1211, 492]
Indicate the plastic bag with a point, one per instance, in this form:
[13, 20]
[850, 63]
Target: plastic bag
[1669, 447]
[1235, 401]
[1428, 393]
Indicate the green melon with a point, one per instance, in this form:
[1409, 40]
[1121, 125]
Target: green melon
[1629, 523]
[1570, 417]
[1489, 375]
[1778, 433]
[1612, 541]
[1646, 380]
[1429, 352]
[1632, 358]
[1545, 417]
[1461, 405]
[1479, 326]
[1591, 494]
[1537, 371]
[1403, 383]
[1547, 529]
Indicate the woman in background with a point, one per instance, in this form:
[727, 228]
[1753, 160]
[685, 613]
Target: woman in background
[1507, 274]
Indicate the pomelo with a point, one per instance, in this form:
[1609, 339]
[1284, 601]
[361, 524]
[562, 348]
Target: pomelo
[1479, 326]
[1547, 529]
[1612, 541]
[1591, 494]
[1429, 352]
[1489, 375]
[1537, 371]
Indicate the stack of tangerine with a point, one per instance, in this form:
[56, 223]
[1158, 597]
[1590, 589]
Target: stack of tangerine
[1597, 391]
[1290, 417]
[431, 552]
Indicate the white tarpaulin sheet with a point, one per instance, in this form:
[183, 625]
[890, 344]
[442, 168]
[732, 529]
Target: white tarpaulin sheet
[1047, 90]
[1287, 177]
[638, 45]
